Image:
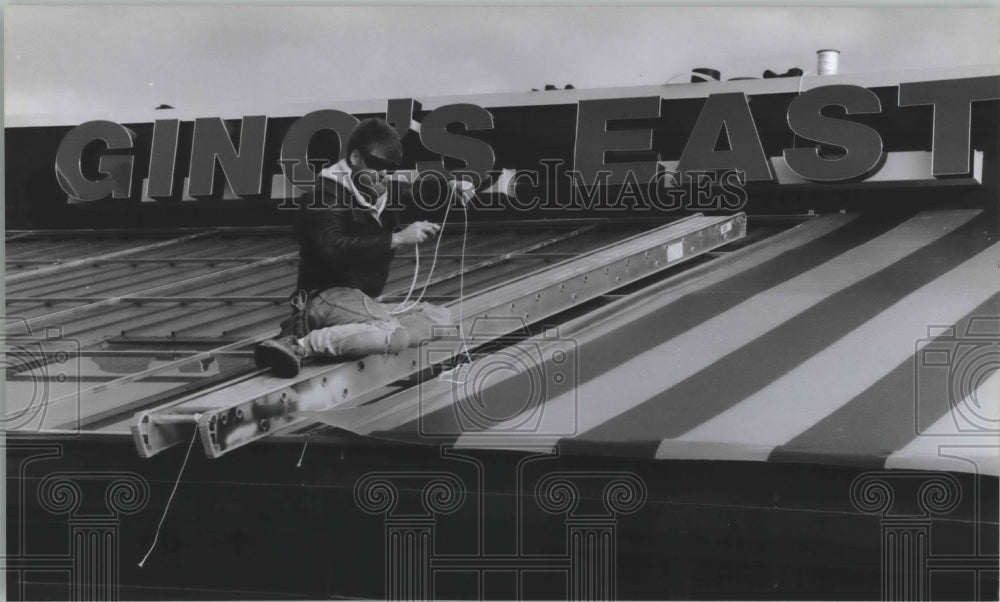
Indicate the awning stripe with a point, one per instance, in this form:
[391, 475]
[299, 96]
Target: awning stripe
[800, 399]
[700, 293]
[601, 399]
[966, 439]
[672, 311]
[888, 415]
[751, 368]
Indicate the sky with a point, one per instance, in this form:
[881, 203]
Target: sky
[75, 60]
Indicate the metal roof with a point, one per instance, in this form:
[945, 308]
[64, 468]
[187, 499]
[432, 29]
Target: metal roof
[811, 340]
[143, 318]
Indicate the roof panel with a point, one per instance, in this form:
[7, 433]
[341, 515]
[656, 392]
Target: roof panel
[137, 307]
[739, 357]
[750, 365]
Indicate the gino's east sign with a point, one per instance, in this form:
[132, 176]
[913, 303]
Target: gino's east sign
[827, 134]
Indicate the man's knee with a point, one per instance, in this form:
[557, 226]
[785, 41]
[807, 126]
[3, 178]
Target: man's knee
[421, 323]
[397, 340]
[358, 340]
[375, 338]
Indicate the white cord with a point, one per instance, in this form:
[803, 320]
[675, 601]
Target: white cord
[303, 454]
[801, 77]
[156, 536]
[400, 309]
[704, 77]
[461, 303]
[461, 285]
[403, 307]
[795, 137]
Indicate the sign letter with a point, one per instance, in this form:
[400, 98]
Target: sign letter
[729, 113]
[295, 146]
[434, 135]
[862, 144]
[952, 101]
[242, 168]
[116, 168]
[594, 140]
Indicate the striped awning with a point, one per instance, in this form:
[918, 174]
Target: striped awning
[860, 340]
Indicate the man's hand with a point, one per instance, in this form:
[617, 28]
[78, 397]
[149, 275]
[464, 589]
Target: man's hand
[414, 234]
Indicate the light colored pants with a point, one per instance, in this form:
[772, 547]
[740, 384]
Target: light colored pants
[344, 322]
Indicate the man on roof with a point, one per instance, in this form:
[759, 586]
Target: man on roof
[347, 241]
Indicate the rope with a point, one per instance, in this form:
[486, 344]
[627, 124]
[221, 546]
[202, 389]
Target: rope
[461, 285]
[406, 305]
[303, 454]
[402, 307]
[413, 282]
[704, 77]
[795, 137]
[801, 77]
[156, 536]
[461, 303]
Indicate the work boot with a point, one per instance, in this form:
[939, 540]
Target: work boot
[283, 355]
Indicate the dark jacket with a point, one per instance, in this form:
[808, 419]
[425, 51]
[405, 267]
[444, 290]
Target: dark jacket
[341, 244]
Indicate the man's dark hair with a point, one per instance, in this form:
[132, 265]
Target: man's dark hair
[376, 134]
